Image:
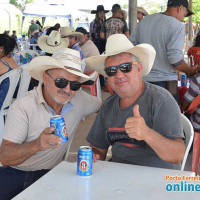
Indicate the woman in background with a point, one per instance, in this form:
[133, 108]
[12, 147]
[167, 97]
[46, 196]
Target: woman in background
[7, 63]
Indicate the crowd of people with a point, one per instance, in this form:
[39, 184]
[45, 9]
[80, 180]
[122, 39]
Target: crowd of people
[137, 121]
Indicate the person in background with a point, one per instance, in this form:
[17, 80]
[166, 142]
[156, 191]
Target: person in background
[6, 33]
[34, 39]
[56, 27]
[29, 149]
[141, 13]
[138, 120]
[73, 37]
[41, 28]
[95, 30]
[7, 63]
[166, 33]
[196, 44]
[114, 24]
[33, 27]
[87, 46]
[14, 35]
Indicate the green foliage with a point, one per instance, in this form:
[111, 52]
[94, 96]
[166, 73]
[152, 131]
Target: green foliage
[20, 4]
[196, 10]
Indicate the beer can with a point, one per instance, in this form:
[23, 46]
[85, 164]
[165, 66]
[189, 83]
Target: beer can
[183, 80]
[58, 123]
[84, 161]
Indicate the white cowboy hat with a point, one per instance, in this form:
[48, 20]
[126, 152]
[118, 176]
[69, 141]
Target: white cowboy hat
[36, 31]
[125, 14]
[119, 43]
[69, 31]
[53, 42]
[142, 10]
[67, 59]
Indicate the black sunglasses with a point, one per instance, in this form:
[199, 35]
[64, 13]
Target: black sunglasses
[62, 83]
[124, 68]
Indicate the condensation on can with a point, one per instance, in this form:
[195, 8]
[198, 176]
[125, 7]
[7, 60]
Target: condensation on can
[58, 123]
[84, 161]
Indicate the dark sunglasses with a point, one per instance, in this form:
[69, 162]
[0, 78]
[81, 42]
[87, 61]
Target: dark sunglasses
[62, 83]
[124, 68]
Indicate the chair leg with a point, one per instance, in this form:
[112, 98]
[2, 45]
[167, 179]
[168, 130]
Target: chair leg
[196, 153]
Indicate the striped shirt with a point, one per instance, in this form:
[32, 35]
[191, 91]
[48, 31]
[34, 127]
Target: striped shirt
[194, 91]
[29, 116]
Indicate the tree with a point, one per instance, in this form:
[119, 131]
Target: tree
[196, 10]
[20, 4]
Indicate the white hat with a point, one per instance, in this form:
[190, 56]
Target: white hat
[36, 31]
[53, 42]
[119, 43]
[67, 59]
[125, 14]
[69, 31]
[142, 10]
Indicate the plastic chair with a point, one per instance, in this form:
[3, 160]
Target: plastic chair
[189, 135]
[196, 142]
[95, 89]
[14, 76]
[24, 81]
[194, 55]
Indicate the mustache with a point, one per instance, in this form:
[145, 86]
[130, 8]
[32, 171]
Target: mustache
[63, 92]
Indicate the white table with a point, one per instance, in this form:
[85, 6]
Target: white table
[109, 181]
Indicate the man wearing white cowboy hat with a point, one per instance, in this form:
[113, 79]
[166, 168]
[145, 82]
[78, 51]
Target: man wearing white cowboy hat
[138, 120]
[29, 149]
[141, 13]
[34, 39]
[73, 37]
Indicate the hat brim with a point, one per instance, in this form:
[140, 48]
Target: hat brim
[75, 34]
[144, 52]
[42, 43]
[40, 64]
[95, 11]
[189, 12]
[144, 12]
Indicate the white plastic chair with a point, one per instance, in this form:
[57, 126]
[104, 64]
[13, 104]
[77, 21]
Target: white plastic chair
[14, 76]
[31, 52]
[24, 81]
[189, 135]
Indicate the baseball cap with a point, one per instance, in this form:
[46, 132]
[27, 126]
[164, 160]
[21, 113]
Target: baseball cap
[81, 30]
[184, 3]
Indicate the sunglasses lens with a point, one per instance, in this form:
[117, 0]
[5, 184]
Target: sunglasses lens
[75, 86]
[126, 67]
[61, 82]
[111, 71]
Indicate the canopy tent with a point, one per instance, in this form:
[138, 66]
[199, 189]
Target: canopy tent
[52, 10]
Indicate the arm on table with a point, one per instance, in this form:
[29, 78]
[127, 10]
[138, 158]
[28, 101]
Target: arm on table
[169, 150]
[14, 154]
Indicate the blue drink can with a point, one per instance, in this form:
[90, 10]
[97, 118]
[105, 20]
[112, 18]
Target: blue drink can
[84, 161]
[58, 123]
[183, 80]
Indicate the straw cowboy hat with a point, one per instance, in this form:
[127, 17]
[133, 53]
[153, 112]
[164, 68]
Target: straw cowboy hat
[69, 31]
[125, 14]
[36, 31]
[119, 43]
[142, 10]
[99, 9]
[67, 59]
[53, 42]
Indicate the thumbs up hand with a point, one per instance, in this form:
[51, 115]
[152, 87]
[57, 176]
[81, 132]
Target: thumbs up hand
[135, 126]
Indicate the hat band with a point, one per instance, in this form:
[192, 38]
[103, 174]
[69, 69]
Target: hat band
[73, 69]
[53, 45]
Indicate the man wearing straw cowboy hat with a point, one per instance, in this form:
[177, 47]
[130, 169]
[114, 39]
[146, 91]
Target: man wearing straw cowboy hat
[138, 120]
[73, 37]
[28, 149]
